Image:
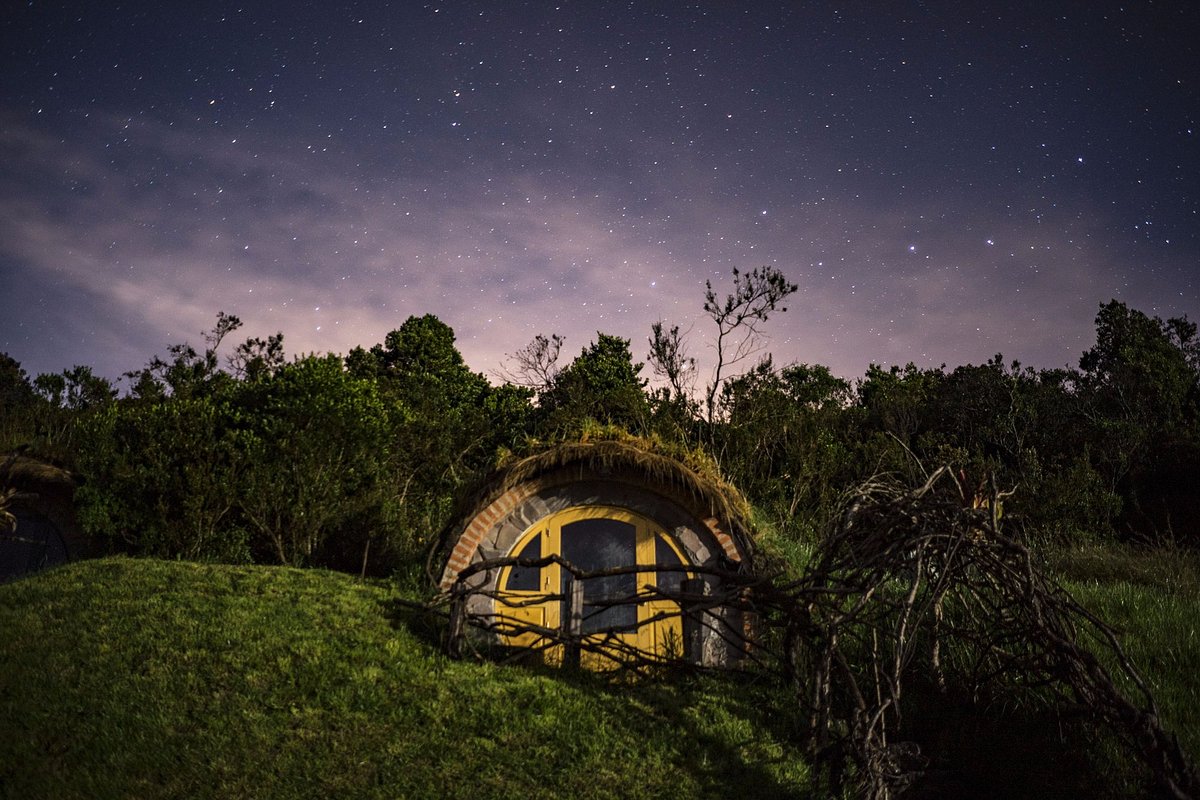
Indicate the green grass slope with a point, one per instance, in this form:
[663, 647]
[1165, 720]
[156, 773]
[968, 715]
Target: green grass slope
[1152, 600]
[147, 679]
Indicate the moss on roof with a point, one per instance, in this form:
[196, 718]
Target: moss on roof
[611, 450]
[21, 471]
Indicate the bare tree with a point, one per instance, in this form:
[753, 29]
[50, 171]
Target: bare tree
[670, 361]
[739, 320]
[536, 364]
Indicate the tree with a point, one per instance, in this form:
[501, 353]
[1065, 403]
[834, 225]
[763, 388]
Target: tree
[312, 444]
[19, 405]
[187, 372]
[161, 478]
[603, 384]
[673, 408]
[536, 364]
[75, 389]
[66, 399]
[990, 412]
[1140, 391]
[420, 362]
[739, 319]
[1142, 371]
[899, 401]
[815, 387]
[447, 420]
[669, 360]
[255, 358]
[786, 442]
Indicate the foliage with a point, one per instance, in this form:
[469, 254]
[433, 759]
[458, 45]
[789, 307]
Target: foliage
[162, 479]
[44, 414]
[19, 405]
[256, 359]
[898, 401]
[786, 442]
[162, 466]
[311, 446]
[603, 384]
[453, 421]
[1140, 387]
[188, 463]
[419, 359]
[739, 319]
[75, 389]
[1142, 369]
[310, 462]
[189, 372]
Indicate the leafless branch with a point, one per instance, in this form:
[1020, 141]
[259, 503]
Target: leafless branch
[536, 364]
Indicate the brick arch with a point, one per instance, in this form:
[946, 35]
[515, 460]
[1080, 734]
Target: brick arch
[496, 526]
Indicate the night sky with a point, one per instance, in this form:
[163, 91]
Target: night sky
[942, 182]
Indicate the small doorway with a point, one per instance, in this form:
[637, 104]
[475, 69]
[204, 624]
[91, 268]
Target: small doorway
[623, 612]
[33, 545]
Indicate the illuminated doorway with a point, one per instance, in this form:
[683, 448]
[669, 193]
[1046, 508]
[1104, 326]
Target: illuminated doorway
[633, 610]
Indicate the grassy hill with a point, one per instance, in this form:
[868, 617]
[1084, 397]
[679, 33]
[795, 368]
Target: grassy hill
[148, 679]
[124, 678]
[1152, 599]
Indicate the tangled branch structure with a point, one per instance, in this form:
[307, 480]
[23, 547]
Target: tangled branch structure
[910, 585]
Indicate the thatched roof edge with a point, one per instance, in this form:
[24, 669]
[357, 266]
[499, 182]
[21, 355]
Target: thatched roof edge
[604, 457]
[18, 470]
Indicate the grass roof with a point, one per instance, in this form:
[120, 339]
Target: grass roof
[607, 451]
[21, 471]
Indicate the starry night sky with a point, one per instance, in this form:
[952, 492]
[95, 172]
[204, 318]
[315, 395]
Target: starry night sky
[943, 183]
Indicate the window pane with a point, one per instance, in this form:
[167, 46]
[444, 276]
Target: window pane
[596, 544]
[526, 579]
[665, 556]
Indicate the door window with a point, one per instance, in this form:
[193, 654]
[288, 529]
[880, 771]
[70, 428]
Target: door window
[626, 607]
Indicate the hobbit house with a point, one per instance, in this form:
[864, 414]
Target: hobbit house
[605, 549]
[40, 530]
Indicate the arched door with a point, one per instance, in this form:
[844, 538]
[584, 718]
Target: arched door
[619, 611]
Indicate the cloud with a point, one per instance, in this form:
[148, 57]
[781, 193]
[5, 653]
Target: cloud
[141, 230]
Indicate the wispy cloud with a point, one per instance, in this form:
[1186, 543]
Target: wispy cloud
[158, 226]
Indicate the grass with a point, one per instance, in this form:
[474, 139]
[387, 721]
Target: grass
[1152, 599]
[148, 679]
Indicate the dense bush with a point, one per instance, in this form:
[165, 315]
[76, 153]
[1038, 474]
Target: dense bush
[318, 461]
[356, 463]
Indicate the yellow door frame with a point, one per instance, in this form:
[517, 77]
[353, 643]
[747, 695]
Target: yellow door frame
[659, 630]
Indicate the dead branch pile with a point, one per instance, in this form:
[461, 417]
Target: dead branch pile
[909, 585]
[917, 584]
